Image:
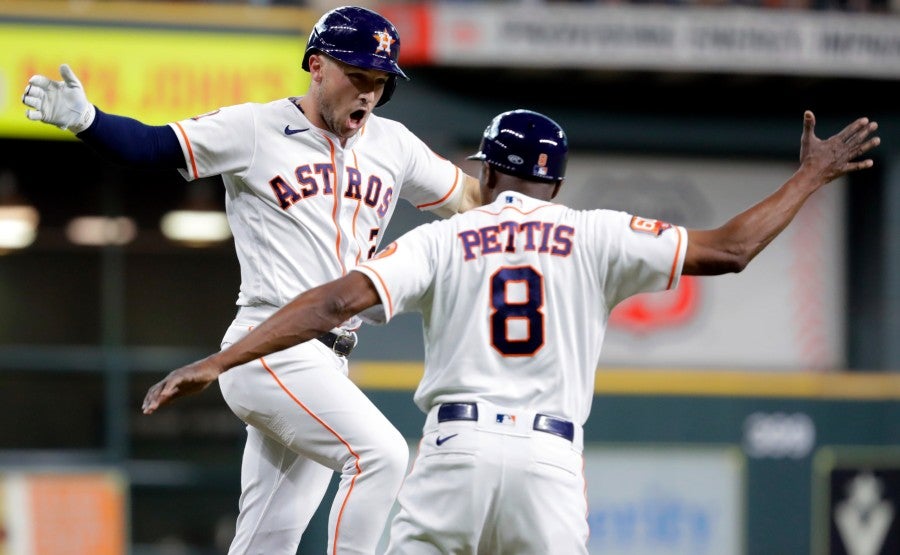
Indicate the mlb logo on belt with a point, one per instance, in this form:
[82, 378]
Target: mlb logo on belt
[506, 419]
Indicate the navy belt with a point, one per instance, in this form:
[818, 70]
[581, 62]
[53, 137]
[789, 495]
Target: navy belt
[469, 411]
[340, 341]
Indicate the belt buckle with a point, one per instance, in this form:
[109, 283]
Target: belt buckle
[344, 343]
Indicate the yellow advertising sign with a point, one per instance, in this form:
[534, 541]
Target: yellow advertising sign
[153, 75]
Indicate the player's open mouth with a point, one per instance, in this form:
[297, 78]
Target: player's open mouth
[357, 116]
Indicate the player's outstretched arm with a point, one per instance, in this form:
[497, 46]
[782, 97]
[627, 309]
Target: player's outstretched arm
[117, 138]
[469, 197]
[60, 103]
[308, 316]
[731, 247]
[471, 194]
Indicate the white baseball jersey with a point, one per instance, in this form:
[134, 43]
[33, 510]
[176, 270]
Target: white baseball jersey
[516, 296]
[303, 209]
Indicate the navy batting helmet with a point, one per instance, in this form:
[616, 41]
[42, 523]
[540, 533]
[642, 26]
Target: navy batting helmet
[361, 38]
[525, 144]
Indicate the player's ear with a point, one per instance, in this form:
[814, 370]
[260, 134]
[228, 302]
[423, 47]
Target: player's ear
[316, 65]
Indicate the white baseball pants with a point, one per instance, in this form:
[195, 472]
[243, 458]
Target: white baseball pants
[493, 486]
[306, 419]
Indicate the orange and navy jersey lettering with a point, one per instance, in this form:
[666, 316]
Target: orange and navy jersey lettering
[354, 180]
[509, 237]
[524, 308]
[312, 180]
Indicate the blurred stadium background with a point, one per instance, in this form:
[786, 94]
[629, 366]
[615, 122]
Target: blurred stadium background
[754, 414]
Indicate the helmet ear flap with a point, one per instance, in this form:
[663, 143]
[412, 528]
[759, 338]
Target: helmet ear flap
[388, 90]
[309, 52]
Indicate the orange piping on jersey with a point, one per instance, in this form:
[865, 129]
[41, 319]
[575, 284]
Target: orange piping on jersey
[675, 262]
[524, 213]
[334, 433]
[390, 311]
[334, 209]
[445, 197]
[356, 212]
[190, 150]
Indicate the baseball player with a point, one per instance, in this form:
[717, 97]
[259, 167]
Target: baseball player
[515, 298]
[310, 182]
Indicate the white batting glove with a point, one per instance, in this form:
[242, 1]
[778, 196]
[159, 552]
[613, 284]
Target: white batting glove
[61, 103]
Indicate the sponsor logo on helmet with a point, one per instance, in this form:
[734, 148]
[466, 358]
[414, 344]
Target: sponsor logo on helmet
[515, 159]
[540, 169]
[385, 40]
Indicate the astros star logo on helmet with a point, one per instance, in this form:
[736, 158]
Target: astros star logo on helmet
[385, 40]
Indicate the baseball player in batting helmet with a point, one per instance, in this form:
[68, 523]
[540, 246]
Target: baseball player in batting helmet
[308, 196]
[515, 297]
[346, 34]
[525, 144]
